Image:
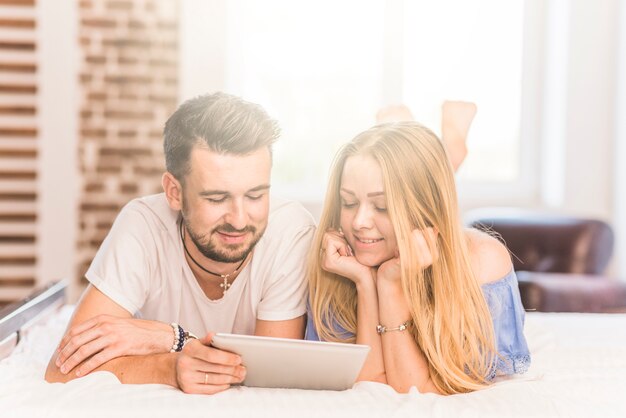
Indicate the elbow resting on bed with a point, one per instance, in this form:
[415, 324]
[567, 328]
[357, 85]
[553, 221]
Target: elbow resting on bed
[422, 387]
[54, 375]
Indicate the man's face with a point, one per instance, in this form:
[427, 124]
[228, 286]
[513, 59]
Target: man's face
[226, 202]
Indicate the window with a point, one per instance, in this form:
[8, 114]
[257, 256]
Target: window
[324, 68]
[454, 49]
[317, 68]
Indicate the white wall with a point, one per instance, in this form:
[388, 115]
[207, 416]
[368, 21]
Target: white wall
[202, 70]
[590, 130]
[58, 179]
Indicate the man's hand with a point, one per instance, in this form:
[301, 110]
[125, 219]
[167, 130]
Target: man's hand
[105, 337]
[207, 370]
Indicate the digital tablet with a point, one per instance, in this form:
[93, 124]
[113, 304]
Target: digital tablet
[297, 364]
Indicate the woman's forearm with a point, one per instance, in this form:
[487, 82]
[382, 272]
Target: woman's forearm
[367, 319]
[405, 363]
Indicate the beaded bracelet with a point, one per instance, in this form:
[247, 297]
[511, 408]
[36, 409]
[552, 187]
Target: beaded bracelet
[181, 337]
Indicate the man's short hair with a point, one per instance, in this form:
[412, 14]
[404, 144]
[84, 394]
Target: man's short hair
[226, 124]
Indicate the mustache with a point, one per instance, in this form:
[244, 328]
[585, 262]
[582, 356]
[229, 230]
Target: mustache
[229, 229]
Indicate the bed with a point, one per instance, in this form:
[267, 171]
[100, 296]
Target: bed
[578, 370]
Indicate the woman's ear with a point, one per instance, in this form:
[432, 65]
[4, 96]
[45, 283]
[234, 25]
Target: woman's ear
[173, 191]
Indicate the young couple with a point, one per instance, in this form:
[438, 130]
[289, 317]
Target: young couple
[389, 266]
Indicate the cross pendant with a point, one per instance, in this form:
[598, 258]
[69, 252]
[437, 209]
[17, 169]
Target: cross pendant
[225, 285]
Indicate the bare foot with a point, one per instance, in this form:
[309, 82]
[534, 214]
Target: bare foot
[456, 119]
[395, 113]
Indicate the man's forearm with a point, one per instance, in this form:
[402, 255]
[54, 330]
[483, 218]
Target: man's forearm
[153, 368]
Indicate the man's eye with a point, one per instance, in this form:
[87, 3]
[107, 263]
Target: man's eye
[215, 200]
[255, 197]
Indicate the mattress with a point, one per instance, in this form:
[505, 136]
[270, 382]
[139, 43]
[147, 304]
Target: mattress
[578, 370]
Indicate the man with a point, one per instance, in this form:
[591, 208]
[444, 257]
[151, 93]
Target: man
[210, 254]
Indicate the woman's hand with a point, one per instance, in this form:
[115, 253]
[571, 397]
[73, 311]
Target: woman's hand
[337, 257]
[106, 337]
[389, 271]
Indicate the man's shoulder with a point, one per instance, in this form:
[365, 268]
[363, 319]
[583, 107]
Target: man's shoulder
[154, 209]
[288, 222]
[153, 202]
[282, 251]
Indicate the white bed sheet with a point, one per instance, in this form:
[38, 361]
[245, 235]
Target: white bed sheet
[578, 370]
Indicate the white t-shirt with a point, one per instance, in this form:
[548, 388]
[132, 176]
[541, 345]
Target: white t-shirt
[141, 266]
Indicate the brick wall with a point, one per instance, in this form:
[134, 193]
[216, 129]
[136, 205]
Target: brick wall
[129, 83]
[18, 148]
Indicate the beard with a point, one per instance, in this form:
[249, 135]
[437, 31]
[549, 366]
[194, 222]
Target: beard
[225, 253]
[211, 249]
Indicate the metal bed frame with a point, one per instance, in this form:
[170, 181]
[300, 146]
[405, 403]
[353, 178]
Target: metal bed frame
[17, 317]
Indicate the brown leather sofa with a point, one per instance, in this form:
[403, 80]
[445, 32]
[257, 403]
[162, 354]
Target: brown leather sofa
[559, 260]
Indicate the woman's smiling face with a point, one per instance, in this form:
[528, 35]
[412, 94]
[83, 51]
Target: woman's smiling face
[364, 218]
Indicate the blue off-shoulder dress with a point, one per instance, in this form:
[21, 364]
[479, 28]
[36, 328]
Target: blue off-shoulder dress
[507, 313]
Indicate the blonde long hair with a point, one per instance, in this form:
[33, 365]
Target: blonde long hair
[451, 320]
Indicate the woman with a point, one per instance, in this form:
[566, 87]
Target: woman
[392, 268]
